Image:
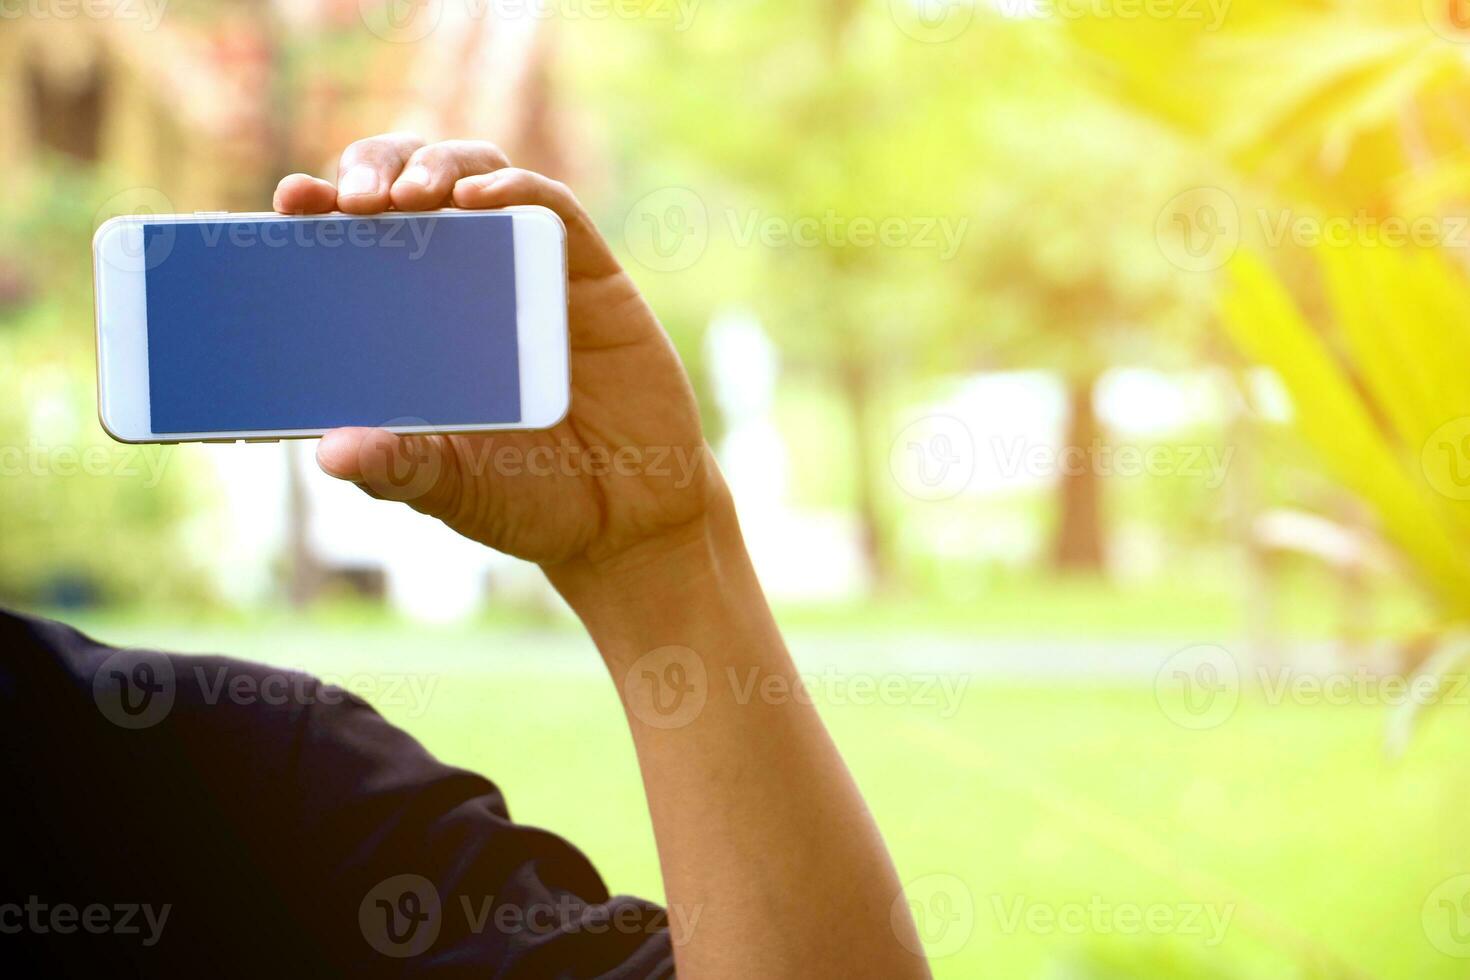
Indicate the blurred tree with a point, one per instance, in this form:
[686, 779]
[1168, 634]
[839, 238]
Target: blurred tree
[82, 519]
[885, 134]
[1052, 264]
[1077, 276]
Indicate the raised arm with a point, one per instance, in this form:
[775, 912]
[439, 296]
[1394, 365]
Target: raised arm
[761, 832]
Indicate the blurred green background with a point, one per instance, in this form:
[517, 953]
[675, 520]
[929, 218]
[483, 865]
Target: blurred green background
[1093, 377]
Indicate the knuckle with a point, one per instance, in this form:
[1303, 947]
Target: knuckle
[426, 156]
[494, 153]
[402, 141]
[474, 154]
[360, 151]
[379, 148]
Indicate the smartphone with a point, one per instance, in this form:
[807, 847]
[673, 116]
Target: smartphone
[229, 327]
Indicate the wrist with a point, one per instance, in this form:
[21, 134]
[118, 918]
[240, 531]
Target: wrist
[667, 590]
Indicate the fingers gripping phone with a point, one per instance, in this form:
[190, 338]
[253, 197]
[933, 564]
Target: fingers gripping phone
[226, 327]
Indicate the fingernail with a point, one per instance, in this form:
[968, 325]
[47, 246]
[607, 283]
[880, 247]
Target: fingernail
[359, 180]
[416, 174]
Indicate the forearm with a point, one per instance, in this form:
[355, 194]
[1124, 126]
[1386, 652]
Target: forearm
[761, 831]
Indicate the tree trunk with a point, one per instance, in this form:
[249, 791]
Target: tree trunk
[1078, 545]
[857, 390]
[305, 573]
[66, 109]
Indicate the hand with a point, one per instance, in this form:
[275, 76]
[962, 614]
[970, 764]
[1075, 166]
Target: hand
[627, 466]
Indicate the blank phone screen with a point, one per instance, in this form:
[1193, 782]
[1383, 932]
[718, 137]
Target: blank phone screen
[312, 324]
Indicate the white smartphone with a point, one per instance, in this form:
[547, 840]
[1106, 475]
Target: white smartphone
[230, 327]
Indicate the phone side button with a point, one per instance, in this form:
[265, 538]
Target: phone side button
[259, 440]
[217, 440]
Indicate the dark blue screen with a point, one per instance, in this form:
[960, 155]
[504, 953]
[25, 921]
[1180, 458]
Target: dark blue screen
[265, 324]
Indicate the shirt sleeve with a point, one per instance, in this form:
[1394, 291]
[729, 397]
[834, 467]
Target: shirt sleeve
[275, 825]
[422, 873]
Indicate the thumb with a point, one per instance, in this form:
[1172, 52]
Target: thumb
[414, 469]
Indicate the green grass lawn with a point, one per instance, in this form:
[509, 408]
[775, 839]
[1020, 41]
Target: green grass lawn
[1072, 800]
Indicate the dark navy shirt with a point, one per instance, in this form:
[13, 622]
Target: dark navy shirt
[198, 816]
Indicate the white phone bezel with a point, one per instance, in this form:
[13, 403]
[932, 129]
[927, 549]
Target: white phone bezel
[119, 270]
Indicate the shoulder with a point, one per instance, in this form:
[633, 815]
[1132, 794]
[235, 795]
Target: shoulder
[264, 735]
[44, 662]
